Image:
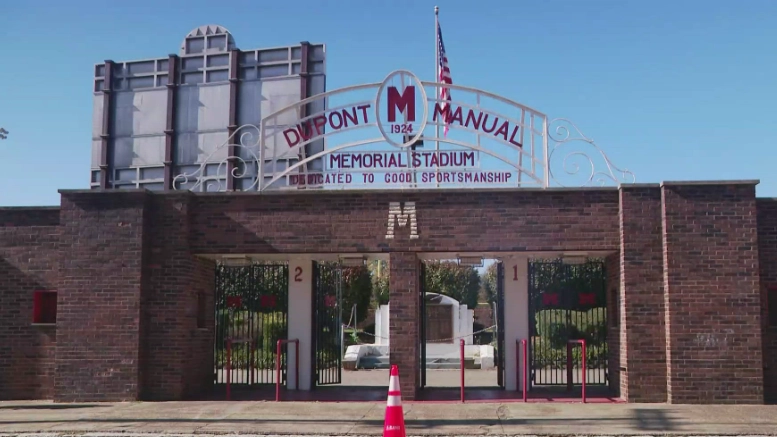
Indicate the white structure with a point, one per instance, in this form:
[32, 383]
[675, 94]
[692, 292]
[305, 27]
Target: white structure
[462, 317]
[438, 352]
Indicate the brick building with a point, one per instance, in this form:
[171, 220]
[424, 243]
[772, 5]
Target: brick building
[693, 264]
[111, 295]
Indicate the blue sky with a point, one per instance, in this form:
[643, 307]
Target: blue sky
[672, 90]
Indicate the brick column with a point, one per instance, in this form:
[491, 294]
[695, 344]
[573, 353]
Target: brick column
[642, 332]
[99, 302]
[179, 308]
[767, 253]
[404, 320]
[712, 296]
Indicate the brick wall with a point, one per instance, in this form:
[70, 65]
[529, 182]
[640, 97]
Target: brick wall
[767, 251]
[404, 321]
[29, 261]
[100, 286]
[129, 282]
[712, 295]
[199, 375]
[643, 347]
[179, 358]
[499, 220]
[612, 265]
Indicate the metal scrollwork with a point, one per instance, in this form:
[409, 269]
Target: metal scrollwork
[248, 138]
[562, 131]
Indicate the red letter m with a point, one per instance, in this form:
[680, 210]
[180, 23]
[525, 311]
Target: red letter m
[405, 101]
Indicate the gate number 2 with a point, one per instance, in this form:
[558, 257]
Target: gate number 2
[298, 274]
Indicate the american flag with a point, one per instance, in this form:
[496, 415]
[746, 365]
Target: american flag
[444, 77]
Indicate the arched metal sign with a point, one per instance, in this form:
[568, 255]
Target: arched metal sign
[398, 133]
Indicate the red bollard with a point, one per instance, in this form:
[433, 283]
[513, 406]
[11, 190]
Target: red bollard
[229, 365]
[461, 343]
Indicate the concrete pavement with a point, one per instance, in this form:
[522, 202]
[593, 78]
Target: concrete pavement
[356, 418]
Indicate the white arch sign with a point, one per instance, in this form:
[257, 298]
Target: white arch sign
[398, 133]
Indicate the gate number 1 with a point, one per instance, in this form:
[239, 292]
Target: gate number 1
[515, 272]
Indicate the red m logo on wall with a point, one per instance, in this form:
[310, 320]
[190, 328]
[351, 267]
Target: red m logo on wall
[404, 101]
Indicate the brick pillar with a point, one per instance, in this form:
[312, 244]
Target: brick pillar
[612, 265]
[404, 320]
[767, 253]
[179, 307]
[712, 296]
[99, 302]
[643, 337]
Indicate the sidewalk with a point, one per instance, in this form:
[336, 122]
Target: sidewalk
[367, 418]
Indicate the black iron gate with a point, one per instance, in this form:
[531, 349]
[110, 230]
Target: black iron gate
[567, 302]
[422, 320]
[500, 323]
[251, 316]
[328, 322]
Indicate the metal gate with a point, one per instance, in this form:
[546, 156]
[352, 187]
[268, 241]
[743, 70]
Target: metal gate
[500, 323]
[422, 321]
[252, 311]
[328, 322]
[567, 302]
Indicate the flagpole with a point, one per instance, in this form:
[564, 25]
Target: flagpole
[436, 89]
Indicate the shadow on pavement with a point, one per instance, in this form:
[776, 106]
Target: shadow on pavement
[654, 420]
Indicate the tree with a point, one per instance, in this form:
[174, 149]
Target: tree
[451, 279]
[490, 283]
[357, 290]
[380, 283]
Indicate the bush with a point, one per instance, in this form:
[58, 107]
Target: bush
[264, 328]
[546, 356]
[553, 333]
[590, 325]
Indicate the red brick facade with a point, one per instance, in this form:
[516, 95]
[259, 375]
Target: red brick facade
[767, 260]
[684, 279]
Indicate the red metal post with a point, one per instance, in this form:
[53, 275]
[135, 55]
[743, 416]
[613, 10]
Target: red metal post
[582, 343]
[278, 371]
[524, 343]
[461, 344]
[229, 365]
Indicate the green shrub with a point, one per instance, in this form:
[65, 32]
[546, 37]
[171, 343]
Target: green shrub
[590, 325]
[547, 356]
[265, 330]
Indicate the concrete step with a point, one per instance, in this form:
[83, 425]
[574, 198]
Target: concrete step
[431, 363]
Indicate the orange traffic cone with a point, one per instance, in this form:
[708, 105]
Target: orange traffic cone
[394, 425]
